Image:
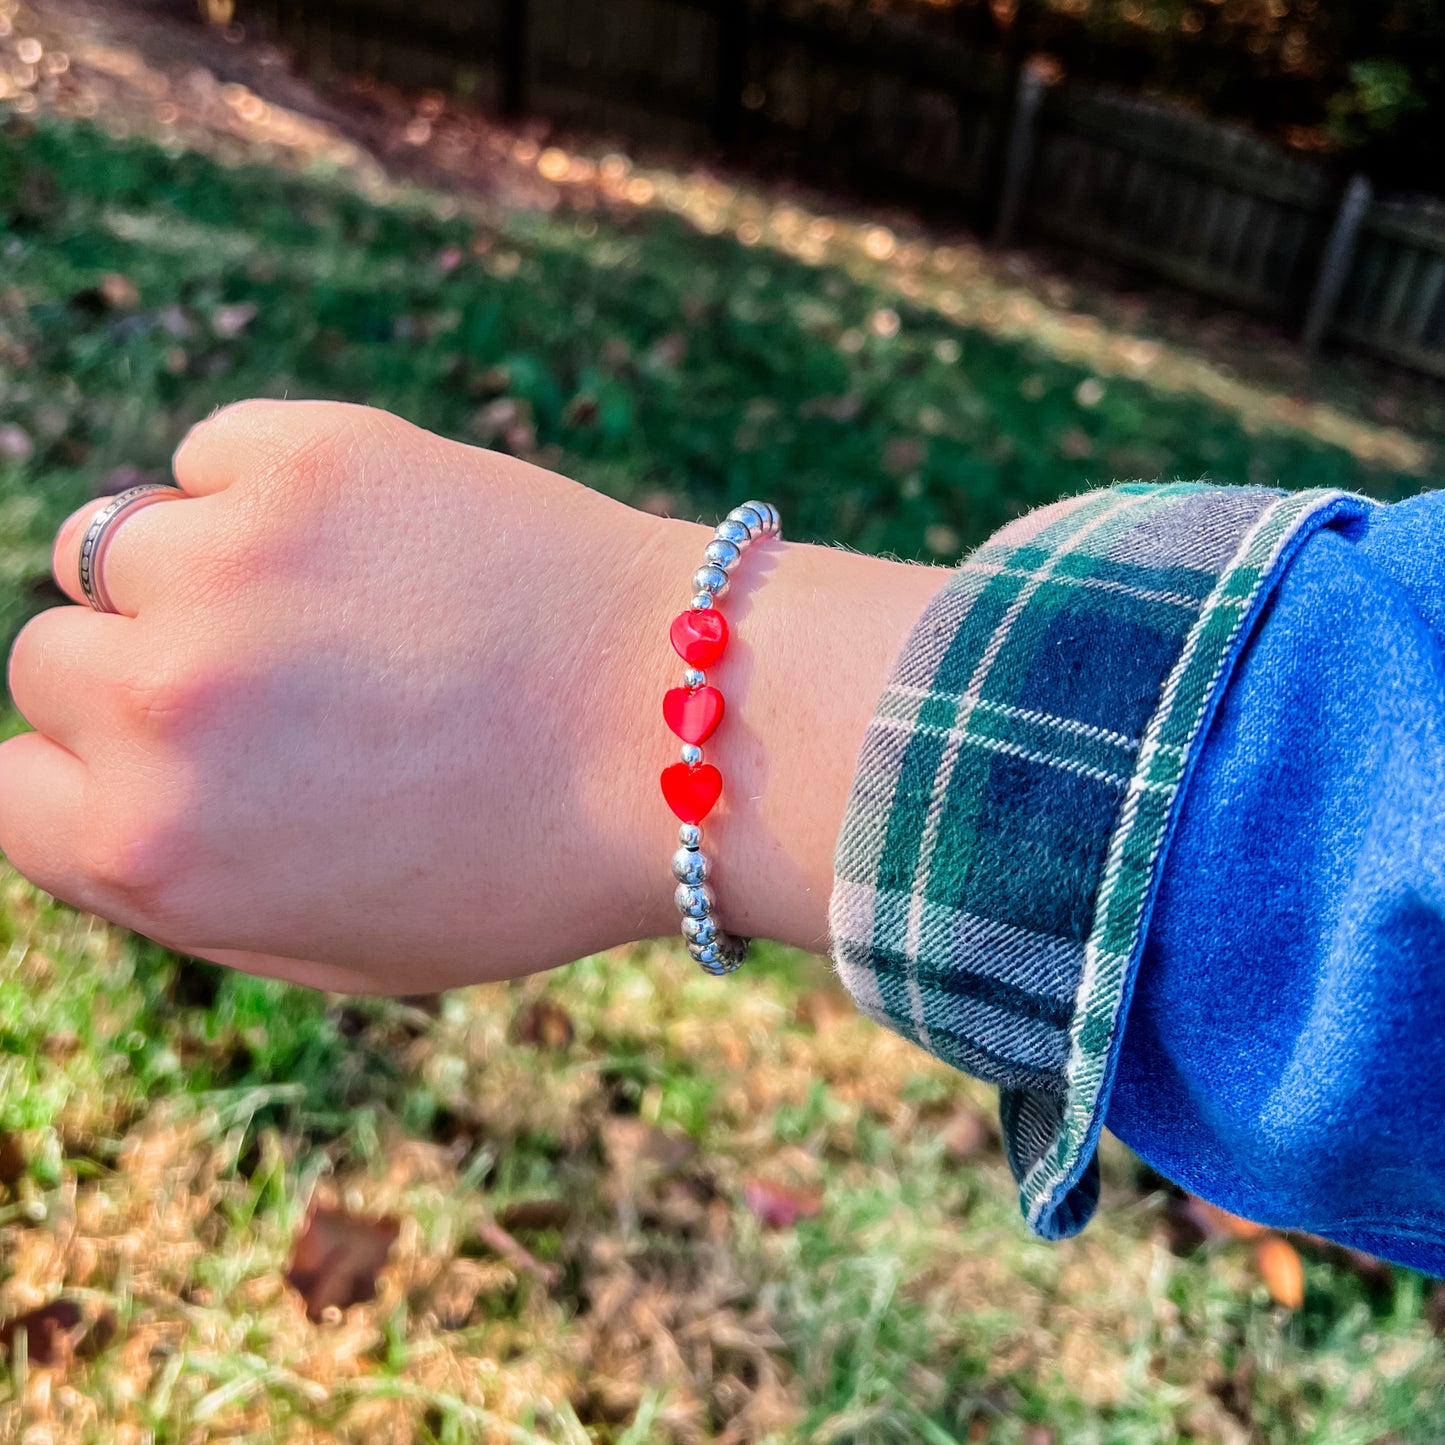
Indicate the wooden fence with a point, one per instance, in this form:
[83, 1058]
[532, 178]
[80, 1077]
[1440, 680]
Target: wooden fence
[897, 109]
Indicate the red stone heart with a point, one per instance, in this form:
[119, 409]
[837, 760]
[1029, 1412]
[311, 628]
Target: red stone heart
[693, 716]
[699, 637]
[691, 792]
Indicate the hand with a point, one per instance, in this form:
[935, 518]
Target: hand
[381, 712]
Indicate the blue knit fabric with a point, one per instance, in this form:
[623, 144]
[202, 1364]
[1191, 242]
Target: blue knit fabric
[1149, 830]
[1283, 1052]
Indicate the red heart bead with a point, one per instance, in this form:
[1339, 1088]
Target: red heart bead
[691, 792]
[693, 716]
[699, 637]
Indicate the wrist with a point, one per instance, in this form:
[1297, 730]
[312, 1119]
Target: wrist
[813, 634]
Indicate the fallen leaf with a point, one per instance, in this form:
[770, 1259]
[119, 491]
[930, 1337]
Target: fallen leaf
[844, 408]
[500, 1242]
[902, 454]
[337, 1258]
[15, 444]
[823, 1008]
[545, 1025]
[964, 1135]
[942, 540]
[119, 291]
[52, 1332]
[13, 1162]
[491, 382]
[61, 1044]
[1216, 1223]
[659, 504]
[1435, 1309]
[498, 416]
[632, 1145]
[174, 322]
[779, 1207]
[231, 320]
[98, 1334]
[535, 1214]
[667, 351]
[582, 410]
[1279, 1266]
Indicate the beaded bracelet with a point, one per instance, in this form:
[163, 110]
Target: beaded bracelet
[693, 711]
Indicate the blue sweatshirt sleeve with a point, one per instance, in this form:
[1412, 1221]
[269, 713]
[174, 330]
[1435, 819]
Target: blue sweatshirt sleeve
[1148, 829]
[1284, 1051]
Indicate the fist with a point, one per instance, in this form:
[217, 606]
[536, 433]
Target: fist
[376, 711]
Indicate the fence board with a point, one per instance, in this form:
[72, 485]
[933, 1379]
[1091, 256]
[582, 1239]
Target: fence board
[894, 107]
[1394, 300]
[1190, 201]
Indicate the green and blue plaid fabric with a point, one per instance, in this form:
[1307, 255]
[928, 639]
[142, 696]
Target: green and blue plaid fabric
[1017, 786]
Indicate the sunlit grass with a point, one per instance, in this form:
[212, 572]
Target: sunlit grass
[172, 1123]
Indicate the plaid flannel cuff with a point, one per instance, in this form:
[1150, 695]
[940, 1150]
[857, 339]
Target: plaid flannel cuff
[1016, 789]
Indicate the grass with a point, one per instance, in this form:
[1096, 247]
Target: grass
[166, 1125]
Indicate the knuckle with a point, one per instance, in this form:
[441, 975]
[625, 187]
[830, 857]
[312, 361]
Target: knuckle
[164, 704]
[155, 702]
[142, 857]
[303, 443]
[331, 441]
[128, 859]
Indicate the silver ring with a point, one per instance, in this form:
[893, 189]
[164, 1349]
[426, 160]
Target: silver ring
[97, 537]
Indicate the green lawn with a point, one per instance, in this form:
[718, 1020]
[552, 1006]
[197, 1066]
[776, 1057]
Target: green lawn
[165, 1124]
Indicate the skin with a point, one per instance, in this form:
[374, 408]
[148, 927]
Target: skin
[382, 712]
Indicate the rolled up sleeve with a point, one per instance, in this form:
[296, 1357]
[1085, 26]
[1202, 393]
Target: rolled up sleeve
[1018, 800]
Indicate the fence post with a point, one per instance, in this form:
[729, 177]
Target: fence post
[1335, 263]
[513, 54]
[732, 71]
[1019, 151]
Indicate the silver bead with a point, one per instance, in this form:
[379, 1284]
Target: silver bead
[722, 554]
[689, 866]
[712, 579]
[694, 900]
[690, 835]
[694, 678]
[691, 754]
[776, 518]
[764, 511]
[721, 956]
[734, 532]
[701, 602]
[699, 930]
[750, 518]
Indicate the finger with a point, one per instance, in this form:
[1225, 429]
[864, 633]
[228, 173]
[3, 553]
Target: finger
[254, 440]
[135, 545]
[42, 787]
[60, 667]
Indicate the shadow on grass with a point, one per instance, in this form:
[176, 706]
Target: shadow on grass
[674, 369]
